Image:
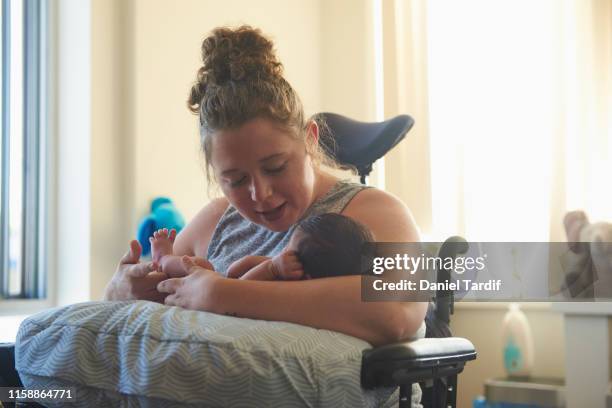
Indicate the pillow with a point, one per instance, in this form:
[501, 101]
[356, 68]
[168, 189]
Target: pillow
[146, 354]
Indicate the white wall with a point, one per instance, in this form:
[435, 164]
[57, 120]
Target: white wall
[73, 125]
[347, 59]
[111, 141]
[347, 52]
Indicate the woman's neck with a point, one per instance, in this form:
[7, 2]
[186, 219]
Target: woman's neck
[323, 183]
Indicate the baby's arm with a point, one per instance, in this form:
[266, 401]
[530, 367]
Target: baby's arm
[243, 266]
[284, 266]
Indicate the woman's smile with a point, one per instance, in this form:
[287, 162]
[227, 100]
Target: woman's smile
[273, 214]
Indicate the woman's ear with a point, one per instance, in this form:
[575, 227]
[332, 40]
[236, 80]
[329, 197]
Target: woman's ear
[312, 132]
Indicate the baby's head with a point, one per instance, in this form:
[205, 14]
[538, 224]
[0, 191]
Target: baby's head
[329, 245]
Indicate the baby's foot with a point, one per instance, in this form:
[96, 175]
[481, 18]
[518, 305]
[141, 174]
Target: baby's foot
[162, 243]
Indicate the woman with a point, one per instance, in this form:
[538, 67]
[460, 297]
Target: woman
[267, 160]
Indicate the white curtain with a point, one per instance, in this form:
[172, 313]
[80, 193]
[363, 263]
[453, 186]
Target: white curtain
[513, 101]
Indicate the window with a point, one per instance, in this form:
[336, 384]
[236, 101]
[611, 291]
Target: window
[23, 158]
[512, 101]
[520, 111]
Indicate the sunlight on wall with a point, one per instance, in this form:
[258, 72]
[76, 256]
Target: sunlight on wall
[496, 102]
[379, 86]
[588, 118]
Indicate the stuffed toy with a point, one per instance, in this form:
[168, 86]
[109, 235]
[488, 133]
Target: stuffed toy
[589, 261]
[163, 215]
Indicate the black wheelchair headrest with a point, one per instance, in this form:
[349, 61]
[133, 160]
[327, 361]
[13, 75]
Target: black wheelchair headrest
[360, 144]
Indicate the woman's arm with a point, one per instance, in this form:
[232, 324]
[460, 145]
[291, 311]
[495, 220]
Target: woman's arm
[335, 303]
[195, 237]
[329, 303]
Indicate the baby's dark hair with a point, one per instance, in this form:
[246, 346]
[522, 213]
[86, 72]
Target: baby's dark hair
[332, 245]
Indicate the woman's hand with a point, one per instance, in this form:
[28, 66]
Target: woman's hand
[134, 280]
[194, 290]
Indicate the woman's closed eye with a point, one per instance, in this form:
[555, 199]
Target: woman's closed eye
[273, 170]
[236, 183]
[276, 169]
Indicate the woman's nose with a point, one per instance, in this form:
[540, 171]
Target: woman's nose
[260, 189]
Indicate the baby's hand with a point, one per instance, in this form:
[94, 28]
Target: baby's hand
[286, 266]
[162, 244]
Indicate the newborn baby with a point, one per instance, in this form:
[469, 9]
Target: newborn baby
[323, 245]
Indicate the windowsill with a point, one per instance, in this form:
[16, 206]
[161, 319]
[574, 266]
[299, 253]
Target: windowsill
[19, 307]
[10, 326]
[13, 312]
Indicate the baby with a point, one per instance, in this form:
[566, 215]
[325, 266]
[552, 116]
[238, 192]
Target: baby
[323, 245]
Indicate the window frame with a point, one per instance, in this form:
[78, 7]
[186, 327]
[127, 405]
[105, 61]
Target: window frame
[36, 290]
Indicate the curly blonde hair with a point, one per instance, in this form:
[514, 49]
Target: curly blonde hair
[241, 79]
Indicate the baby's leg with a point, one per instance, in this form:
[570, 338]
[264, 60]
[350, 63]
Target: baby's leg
[172, 265]
[162, 244]
[162, 252]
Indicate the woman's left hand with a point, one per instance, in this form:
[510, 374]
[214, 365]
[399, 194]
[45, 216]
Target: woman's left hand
[192, 291]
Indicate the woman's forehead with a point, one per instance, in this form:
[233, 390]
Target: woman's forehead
[257, 140]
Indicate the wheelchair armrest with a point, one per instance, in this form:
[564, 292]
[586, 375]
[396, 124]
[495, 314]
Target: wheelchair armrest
[415, 361]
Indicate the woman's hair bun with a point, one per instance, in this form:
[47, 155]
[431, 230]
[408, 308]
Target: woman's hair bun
[238, 55]
[241, 54]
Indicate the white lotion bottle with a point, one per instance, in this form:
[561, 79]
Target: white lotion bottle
[517, 343]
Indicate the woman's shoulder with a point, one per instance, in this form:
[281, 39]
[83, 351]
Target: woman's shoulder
[387, 217]
[195, 237]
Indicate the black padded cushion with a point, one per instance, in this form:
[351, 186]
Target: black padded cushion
[422, 351]
[362, 143]
[415, 361]
[8, 375]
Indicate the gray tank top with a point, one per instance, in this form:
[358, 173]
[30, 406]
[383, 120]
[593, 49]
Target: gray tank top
[235, 237]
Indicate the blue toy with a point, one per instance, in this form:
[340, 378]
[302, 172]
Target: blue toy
[163, 215]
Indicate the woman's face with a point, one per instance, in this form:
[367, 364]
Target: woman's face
[264, 173]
